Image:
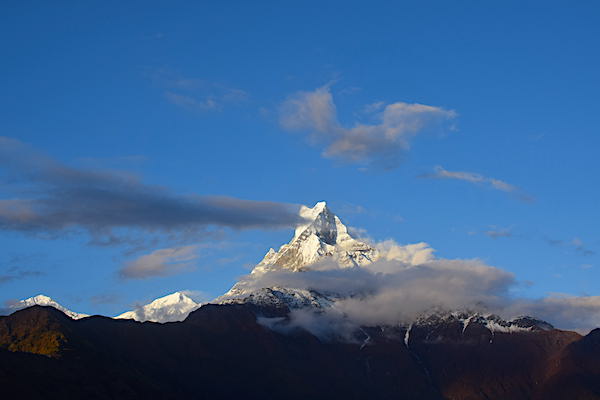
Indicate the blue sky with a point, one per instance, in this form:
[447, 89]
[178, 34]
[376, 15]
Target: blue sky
[194, 98]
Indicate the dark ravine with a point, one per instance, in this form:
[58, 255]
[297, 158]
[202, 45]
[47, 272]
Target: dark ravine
[222, 352]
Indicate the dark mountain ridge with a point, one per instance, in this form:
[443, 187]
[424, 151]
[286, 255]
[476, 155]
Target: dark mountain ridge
[222, 351]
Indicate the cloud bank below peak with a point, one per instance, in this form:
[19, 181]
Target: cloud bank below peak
[382, 143]
[408, 281]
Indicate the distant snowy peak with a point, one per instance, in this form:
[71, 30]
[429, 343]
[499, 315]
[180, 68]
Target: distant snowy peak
[321, 236]
[170, 308]
[42, 300]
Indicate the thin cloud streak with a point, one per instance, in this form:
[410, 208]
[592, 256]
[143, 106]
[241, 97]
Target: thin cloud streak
[196, 95]
[15, 273]
[479, 179]
[576, 244]
[190, 103]
[581, 248]
[105, 298]
[496, 233]
[51, 198]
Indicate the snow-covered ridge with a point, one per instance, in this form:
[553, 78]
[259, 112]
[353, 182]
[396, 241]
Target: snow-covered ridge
[42, 300]
[492, 322]
[173, 307]
[280, 297]
[170, 308]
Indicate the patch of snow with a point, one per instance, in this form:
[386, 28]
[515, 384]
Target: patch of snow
[467, 321]
[494, 326]
[407, 335]
[366, 341]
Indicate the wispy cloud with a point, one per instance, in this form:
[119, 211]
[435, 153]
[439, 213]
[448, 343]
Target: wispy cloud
[382, 143]
[105, 298]
[373, 107]
[479, 179]
[190, 103]
[581, 248]
[15, 273]
[20, 266]
[576, 244]
[161, 262]
[194, 94]
[554, 242]
[52, 198]
[497, 232]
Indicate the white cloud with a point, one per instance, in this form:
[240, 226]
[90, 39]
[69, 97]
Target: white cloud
[381, 143]
[161, 262]
[411, 254]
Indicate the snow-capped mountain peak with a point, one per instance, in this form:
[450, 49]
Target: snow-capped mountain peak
[43, 300]
[173, 307]
[321, 236]
[321, 222]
